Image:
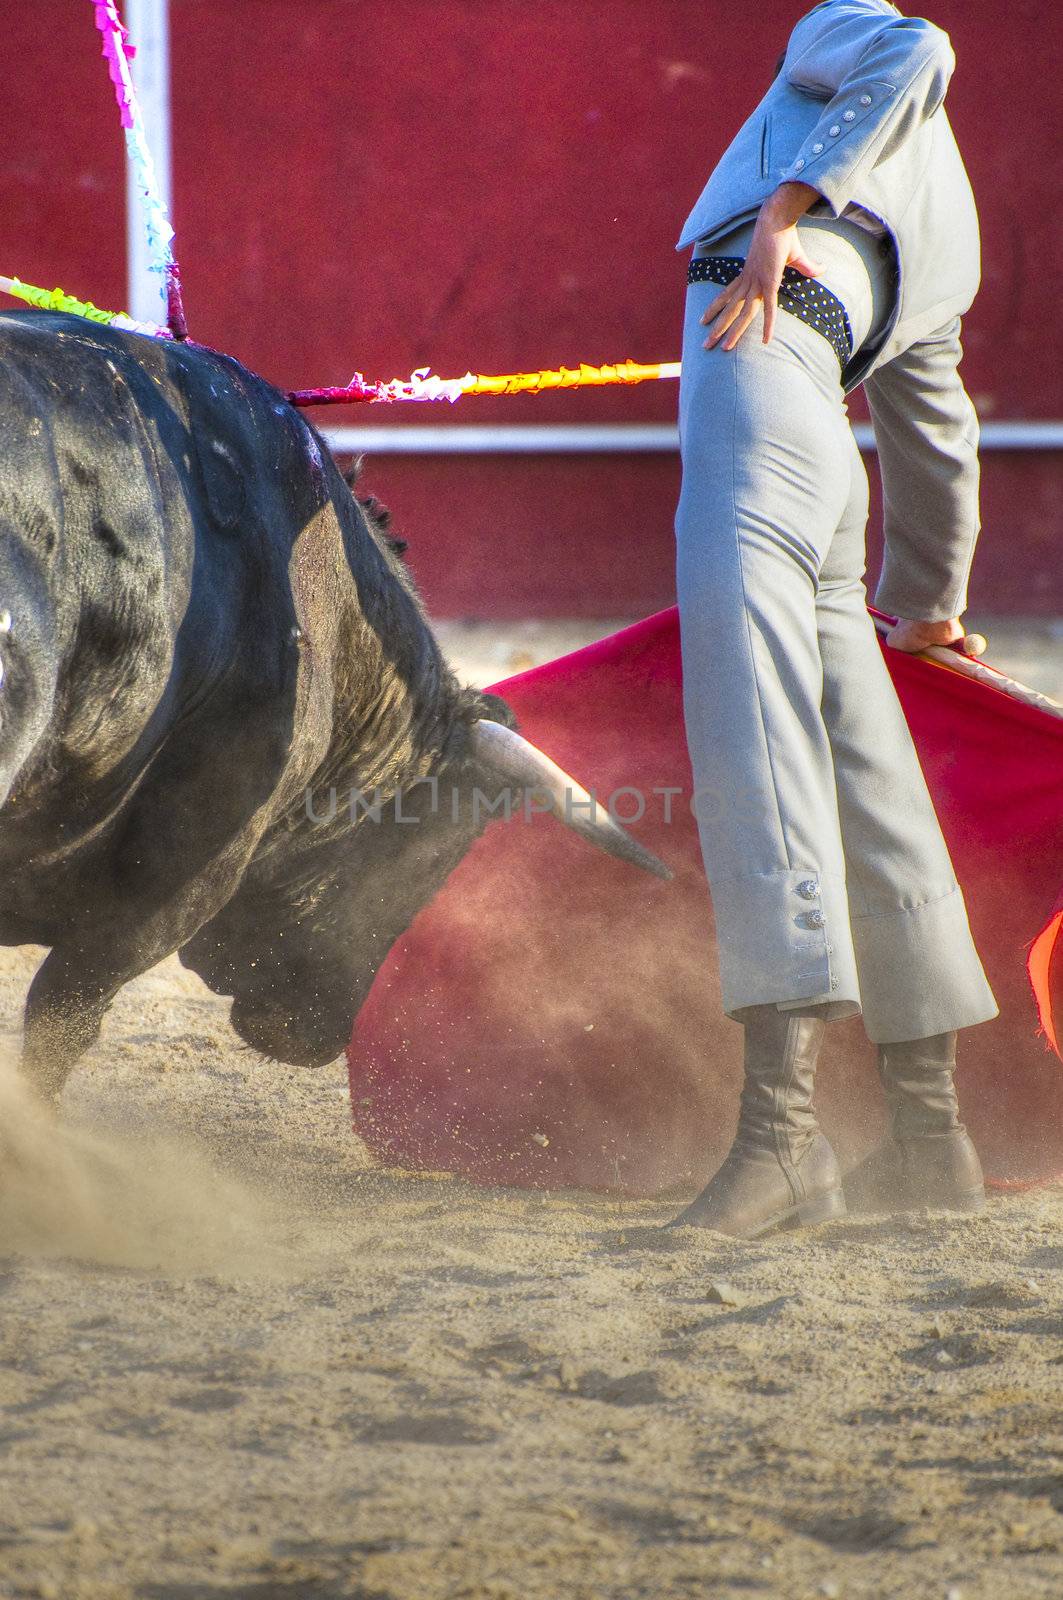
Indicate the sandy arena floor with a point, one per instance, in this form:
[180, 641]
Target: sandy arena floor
[237, 1360]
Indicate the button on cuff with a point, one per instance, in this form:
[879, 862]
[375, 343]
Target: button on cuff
[766, 956]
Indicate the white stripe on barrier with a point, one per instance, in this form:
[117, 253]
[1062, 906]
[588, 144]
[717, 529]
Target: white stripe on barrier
[149, 33]
[620, 438]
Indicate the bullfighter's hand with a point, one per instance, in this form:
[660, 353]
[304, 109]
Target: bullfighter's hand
[914, 636]
[774, 246]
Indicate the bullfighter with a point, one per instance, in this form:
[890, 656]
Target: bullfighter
[836, 244]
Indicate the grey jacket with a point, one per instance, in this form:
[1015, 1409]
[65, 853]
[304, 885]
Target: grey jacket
[856, 111]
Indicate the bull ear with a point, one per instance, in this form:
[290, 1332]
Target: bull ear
[506, 754]
[490, 707]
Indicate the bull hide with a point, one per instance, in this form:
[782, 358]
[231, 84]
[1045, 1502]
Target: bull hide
[205, 639]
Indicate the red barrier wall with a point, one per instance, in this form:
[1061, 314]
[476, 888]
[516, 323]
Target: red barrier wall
[386, 184]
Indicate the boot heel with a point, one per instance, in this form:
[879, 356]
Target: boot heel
[821, 1208]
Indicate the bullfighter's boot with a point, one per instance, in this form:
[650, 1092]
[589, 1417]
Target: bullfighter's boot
[780, 1172]
[927, 1159]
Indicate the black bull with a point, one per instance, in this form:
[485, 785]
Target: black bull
[199, 624]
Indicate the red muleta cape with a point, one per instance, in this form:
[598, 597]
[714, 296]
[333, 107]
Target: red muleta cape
[553, 1018]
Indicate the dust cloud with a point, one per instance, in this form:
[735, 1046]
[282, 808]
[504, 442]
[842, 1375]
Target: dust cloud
[68, 1190]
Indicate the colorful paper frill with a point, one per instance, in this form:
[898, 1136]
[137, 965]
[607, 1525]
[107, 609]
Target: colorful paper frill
[426, 385]
[59, 300]
[118, 52]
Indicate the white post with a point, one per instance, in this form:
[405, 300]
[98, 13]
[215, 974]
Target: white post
[149, 31]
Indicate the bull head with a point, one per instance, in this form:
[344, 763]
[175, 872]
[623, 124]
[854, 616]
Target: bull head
[300, 943]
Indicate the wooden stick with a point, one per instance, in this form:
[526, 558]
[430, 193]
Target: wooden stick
[970, 667]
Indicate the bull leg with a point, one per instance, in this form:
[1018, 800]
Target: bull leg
[64, 1013]
[75, 984]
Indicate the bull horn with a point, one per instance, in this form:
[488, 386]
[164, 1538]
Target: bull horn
[501, 751]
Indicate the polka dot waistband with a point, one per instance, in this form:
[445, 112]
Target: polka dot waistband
[803, 297]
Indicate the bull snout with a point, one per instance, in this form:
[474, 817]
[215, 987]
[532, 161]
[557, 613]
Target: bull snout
[290, 1033]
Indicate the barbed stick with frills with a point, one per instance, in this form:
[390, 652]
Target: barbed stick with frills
[426, 385]
[118, 52]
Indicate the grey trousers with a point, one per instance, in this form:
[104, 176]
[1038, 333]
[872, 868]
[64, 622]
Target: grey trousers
[830, 880]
